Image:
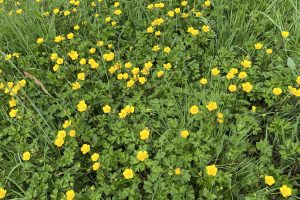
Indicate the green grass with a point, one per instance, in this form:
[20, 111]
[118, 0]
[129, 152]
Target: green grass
[245, 148]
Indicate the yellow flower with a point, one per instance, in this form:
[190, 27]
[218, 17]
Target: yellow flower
[106, 109]
[116, 4]
[13, 113]
[55, 10]
[53, 56]
[19, 11]
[211, 170]
[12, 103]
[177, 10]
[59, 61]
[40, 40]
[96, 166]
[298, 80]
[212, 105]
[81, 106]
[76, 86]
[171, 13]
[66, 13]
[167, 49]
[277, 91]
[246, 63]
[92, 50]
[135, 70]
[258, 46]
[156, 48]
[160, 73]
[26, 156]
[72, 133]
[100, 43]
[128, 173]
[194, 109]
[177, 171]
[85, 148]
[184, 133]
[128, 65]
[269, 51]
[184, 3]
[285, 191]
[81, 76]
[234, 71]
[144, 134]
[61, 134]
[142, 80]
[193, 31]
[215, 71]
[70, 194]
[2, 193]
[150, 29]
[203, 81]
[73, 55]
[253, 109]
[242, 75]
[70, 36]
[82, 61]
[205, 28]
[230, 76]
[269, 180]
[167, 66]
[59, 142]
[59, 38]
[198, 14]
[76, 27]
[67, 123]
[142, 155]
[285, 34]
[232, 88]
[56, 67]
[95, 157]
[109, 56]
[130, 83]
[247, 87]
[207, 3]
[117, 12]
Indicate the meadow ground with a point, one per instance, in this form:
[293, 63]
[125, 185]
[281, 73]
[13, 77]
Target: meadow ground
[138, 99]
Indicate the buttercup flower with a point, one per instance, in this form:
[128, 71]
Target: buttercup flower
[96, 166]
[70, 194]
[85, 148]
[106, 109]
[246, 63]
[285, 34]
[2, 193]
[95, 157]
[269, 180]
[142, 155]
[211, 170]
[81, 106]
[194, 109]
[26, 156]
[177, 171]
[258, 46]
[184, 133]
[285, 191]
[128, 173]
[247, 87]
[203, 81]
[144, 134]
[40, 40]
[212, 105]
[277, 91]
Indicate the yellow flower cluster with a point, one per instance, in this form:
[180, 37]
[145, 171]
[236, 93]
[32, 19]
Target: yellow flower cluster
[126, 111]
